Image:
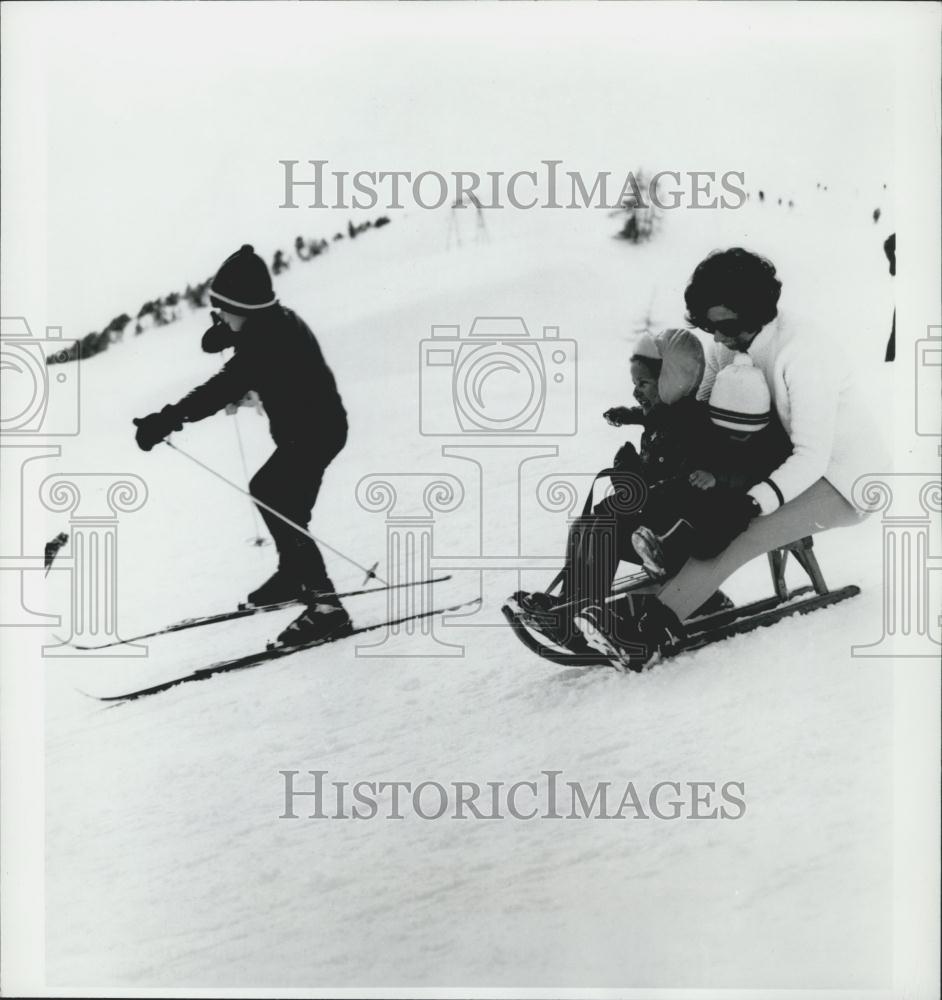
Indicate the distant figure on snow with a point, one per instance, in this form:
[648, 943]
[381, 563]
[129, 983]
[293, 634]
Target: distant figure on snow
[52, 550]
[279, 262]
[889, 248]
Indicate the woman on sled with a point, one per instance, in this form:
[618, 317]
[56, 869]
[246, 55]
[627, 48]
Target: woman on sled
[807, 487]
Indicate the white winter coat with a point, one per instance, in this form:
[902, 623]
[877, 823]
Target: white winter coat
[831, 428]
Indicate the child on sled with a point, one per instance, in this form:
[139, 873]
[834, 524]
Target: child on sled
[666, 371]
[702, 516]
[745, 445]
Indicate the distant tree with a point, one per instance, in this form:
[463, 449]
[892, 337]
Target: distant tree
[94, 343]
[160, 314]
[640, 215]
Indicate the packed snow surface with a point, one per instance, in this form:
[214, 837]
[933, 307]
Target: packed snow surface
[167, 862]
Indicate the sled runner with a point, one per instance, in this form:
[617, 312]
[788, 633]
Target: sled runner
[702, 629]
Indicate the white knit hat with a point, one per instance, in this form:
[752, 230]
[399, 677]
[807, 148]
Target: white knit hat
[740, 398]
[682, 362]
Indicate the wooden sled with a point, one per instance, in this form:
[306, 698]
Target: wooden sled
[705, 629]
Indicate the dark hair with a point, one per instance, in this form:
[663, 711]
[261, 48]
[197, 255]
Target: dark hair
[653, 365]
[735, 278]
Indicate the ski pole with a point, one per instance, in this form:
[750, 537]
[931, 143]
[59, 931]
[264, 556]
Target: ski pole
[245, 471]
[371, 573]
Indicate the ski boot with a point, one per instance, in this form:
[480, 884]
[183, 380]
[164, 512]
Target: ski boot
[713, 605]
[550, 617]
[279, 588]
[633, 639]
[323, 620]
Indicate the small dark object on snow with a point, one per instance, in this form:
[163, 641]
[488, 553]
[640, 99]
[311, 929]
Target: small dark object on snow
[52, 549]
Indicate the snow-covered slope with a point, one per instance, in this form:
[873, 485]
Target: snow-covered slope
[167, 863]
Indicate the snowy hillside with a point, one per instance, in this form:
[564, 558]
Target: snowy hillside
[167, 863]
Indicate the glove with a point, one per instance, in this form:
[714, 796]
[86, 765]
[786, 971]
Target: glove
[627, 458]
[619, 415]
[741, 508]
[153, 428]
[250, 399]
[218, 337]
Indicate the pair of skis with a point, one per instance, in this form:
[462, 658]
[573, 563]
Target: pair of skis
[247, 610]
[273, 651]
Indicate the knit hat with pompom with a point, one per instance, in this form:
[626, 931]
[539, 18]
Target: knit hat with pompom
[242, 285]
[740, 399]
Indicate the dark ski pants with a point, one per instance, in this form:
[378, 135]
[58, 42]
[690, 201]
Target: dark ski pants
[714, 518]
[289, 482]
[601, 537]
[819, 508]
[599, 540]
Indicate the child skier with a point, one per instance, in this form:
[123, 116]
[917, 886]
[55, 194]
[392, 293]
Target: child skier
[747, 445]
[277, 355]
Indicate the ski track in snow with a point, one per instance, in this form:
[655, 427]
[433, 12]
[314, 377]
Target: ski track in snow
[167, 864]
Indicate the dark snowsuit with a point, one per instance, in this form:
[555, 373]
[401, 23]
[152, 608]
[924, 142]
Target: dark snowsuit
[714, 516]
[646, 485]
[277, 356]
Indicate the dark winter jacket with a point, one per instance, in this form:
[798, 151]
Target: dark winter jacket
[277, 356]
[674, 438]
[739, 464]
